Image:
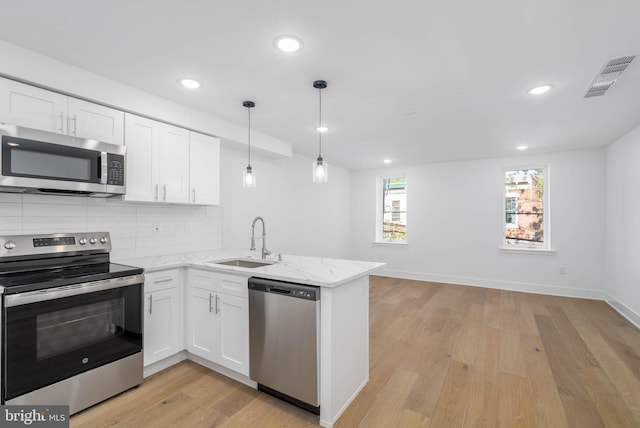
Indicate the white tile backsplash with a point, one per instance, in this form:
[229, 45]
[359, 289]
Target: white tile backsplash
[181, 228]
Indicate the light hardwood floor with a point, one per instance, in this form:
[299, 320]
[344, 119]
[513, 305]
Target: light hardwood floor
[440, 356]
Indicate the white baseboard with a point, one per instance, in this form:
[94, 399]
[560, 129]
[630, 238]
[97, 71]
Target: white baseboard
[222, 370]
[328, 424]
[497, 284]
[164, 364]
[623, 310]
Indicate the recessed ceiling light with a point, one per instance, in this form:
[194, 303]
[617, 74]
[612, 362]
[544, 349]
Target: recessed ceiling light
[288, 44]
[322, 129]
[539, 90]
[387, 161]
[522, 147]
[189, 83]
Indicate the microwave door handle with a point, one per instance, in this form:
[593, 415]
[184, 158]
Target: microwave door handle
[103, 167]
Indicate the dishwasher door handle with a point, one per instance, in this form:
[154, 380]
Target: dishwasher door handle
[279, 290]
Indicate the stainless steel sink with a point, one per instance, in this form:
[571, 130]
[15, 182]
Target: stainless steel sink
[245, 263]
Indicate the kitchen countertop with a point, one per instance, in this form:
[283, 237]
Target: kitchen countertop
[318, 271]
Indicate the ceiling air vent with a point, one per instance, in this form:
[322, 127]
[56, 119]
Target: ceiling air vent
[607, 76]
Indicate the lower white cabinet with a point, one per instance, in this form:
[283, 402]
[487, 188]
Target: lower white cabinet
[217, 319]
[163, 321]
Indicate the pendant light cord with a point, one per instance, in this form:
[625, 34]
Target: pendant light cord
[320, 124]
[249, 134]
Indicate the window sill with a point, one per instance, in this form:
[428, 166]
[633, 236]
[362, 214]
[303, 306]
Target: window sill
[524, 250]
[391, 243]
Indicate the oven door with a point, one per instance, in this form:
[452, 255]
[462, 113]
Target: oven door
[51, 335]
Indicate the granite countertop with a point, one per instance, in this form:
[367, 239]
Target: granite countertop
[318, 271]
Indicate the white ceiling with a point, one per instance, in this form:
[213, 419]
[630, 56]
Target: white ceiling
[464, 65]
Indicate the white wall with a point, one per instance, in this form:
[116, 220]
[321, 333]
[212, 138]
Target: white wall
[182, 228]
[623, 225]
[301, 217]
[455, 225]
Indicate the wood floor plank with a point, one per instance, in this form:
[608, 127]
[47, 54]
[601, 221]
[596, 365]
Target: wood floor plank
[626, 383]
[566, 376]
[452, 405]
[545, 399]
[514, 400]
[482, 410]
[441, 355]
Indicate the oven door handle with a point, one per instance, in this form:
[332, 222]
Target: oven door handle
[71, 290]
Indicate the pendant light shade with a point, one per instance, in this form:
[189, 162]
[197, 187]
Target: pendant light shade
[320, 166]
[248, 175]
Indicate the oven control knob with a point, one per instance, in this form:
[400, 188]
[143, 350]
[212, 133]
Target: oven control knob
[82, 241]
[104, 240]
[93, 240]
[9, 245]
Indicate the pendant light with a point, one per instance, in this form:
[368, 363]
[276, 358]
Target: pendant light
[320, 166]
[248, 176]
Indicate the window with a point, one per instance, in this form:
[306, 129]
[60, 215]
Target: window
[391, 221]
[511, 210]
[525, 224]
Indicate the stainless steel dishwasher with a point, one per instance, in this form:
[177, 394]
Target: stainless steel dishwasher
[284, 341]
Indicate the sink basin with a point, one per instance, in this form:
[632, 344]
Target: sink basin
[245, 263]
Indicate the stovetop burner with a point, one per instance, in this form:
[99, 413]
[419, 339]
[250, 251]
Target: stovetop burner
[37, 262]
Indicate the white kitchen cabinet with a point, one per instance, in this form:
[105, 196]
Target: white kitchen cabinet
[174, 164]
[233, 333]
[96, 122]
[163, 321]
[32, 107]
[217, 321]
[157, 161]
[142, 139]
[204, 169]
[201, 337]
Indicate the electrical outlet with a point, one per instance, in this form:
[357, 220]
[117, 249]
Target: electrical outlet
[563, 270]
[155, 228]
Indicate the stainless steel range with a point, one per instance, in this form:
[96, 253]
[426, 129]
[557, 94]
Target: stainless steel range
[71, 320]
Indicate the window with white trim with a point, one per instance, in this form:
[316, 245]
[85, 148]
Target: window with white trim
[391, 204]
[525, 204]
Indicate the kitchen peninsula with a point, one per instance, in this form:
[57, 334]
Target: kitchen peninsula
[344, 314]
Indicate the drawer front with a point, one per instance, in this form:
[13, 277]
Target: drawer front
[202, 279]
[162, 280]
[235, 285]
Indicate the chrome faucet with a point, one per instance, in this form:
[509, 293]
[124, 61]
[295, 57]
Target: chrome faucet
[265, 252]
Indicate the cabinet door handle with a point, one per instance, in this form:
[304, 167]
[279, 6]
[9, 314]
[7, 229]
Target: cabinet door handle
[194, 195]
[160, 281]
[164, 192]
[210, 307]
[61, 122]
[156, 192]
[217, 306]
[150, 304]
[75, 125]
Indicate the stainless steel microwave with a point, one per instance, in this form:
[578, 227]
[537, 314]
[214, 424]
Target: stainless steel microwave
[34, 161]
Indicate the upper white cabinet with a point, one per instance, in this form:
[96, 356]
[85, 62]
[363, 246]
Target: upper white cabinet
[174, 164]
[166, 163]
[157, 161]
[32, 107]
[204, 171]
[37, 108]
[142, 139]
[96, 122]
